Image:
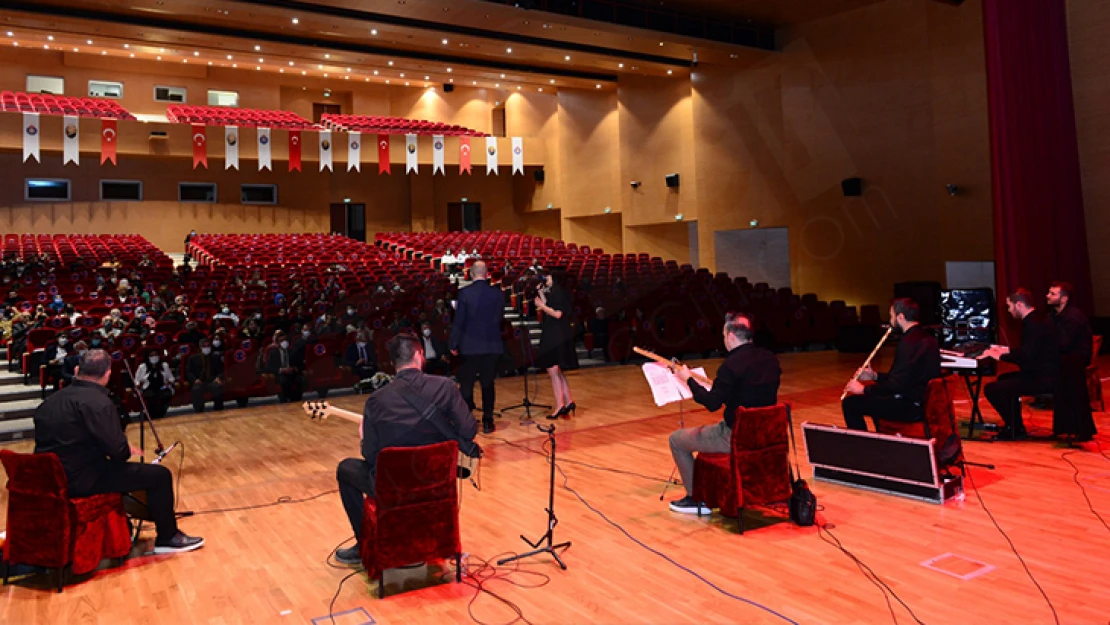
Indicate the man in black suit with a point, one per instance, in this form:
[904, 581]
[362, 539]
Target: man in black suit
[900, 394]
[1072, 403]
[435, 352]
[69, 365]
[360, 356]
[390, 420]
[204, 372]
[476, 336]
[54, 357]
[279, 363]
[1038, 359]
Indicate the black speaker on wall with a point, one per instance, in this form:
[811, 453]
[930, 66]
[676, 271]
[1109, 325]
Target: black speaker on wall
[448, 87]
[852, 187]
[672, 181]
[538, 174]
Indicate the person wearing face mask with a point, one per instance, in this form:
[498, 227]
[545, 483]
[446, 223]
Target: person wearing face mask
[219, 343]
[204, 372]
[53, 359]
[361, 358]
[225, 313]
[57, 306]
[69, 365]
[435, 352]
[13, 298]
[192, 334]
[351, 318]
[302, 339]
[155, 380]
[279, 363]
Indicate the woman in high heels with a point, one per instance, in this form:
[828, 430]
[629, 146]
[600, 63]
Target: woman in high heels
[556, 352]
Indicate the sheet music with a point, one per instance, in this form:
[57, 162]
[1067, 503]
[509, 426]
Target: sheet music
[665, 387]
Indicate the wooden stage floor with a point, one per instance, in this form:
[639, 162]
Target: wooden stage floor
[267, 565]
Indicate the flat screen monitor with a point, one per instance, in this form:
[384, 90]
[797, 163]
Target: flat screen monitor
[967, 316]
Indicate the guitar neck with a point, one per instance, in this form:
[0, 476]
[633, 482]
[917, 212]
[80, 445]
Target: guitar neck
[670, 365]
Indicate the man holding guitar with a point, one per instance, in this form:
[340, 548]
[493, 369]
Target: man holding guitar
[414, 409]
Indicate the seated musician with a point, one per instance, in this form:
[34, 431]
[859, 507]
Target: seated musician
[748, 377]
[1072, 414]
[898, 395]
[1038, 361]
[390, 420]
[81, 425]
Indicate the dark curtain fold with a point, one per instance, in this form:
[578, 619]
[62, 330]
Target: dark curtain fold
[1040, 231]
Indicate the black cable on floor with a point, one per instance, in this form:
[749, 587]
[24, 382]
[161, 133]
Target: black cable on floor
[868, 573]
[582, 464]
[478, 575]
[1075, 478]
[284, 499]
[1055, 617]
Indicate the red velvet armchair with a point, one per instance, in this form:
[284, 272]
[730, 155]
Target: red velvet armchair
[756, 473]
[49, 529]
[939, 423]
[1094, 378]
[414, 515]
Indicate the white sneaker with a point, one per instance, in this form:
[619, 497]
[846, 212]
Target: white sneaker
[687, 505]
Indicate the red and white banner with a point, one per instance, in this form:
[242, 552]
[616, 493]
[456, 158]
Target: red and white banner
[71, 140]
[383, 155]
[464, 155]
[31, 137]
[294, 150]
[491, 156]
[437, 155]
[200, 146]
[108, 137]
[265, 160]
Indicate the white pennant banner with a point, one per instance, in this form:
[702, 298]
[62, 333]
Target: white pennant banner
[325, 150]
[412, 156]
[354, 151]
[265, 161]
[437, 155]
[491, 156]
[231, 150]
[518, 155]
[71, 143]
[31, 137]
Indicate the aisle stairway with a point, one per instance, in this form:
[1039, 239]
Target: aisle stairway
[17, 404]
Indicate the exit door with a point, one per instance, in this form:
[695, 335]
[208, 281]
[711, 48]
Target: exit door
[349, 220]
[464, 217]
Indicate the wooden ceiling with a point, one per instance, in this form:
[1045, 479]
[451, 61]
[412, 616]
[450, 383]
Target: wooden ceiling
[415, 42]
[777, 13]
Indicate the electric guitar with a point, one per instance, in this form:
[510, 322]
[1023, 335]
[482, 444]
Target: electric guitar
[320, 411]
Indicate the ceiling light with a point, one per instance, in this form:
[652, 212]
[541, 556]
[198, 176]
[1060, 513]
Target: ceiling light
[598, 85]
[132, 55]
[196, 53]
[497, 85]
[374, 32]
[566, 58]
[50, 37]
[88, 42]
[474, 83]
[162, 50]
[327, 56]
[258, 48]
[184, 60]
[346, 78]
[75, 49]
[103, 52]
[553, 81]
[734, 56]
[229, 57]
[670, 71]
[444, 42]
[258, 67]
[451, 80]
[126, 45]
[11, 34]
[159, 58]
[620, 65]
[502, 75]
[296, 21]
[541, 89]
[45, 47]
[660, 44]
[449, 70]
[426, 78]
[402, 74]
[303, 73]
[319, 67]
[367, 79]
[391, 63]
[325, 75]
[261, 60]
[518, 87]
[15, 43]
[387, 81]
[209, 62]
[406, 83]
[348, 69]
[375, 72]
[509, 50]
[235, 65]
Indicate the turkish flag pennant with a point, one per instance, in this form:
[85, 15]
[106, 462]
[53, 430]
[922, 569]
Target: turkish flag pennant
[383, 155]
[108, 141]
[464, 155]
[200, 146]
[294, 150]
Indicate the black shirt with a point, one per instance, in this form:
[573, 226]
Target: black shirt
[1074, 336]
[749, 378]
[1039, 354]
[81, 425]
[915, 363]
[390, 421]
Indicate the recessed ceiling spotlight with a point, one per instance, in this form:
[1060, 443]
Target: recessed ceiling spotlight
[261, 60]
[391, 63]
[88, 42]
[375, 72]
[426, 78]
[620, 65]
[296, 21]
[325, 75]
[509, 50]
[75, 49]
[566, 58]
[541, 89]
[16, 44]
[45, 46]
[474, 83]
[598, 85]
[103, 52]
[304, 73]
[258, 67]
[444, 42]
[374, 32]
[132, 55]
[229, 57]
[402, 74]
[159, 58]
[553, 81]
[502, 75]
[387, 81]
[196, 53]
[258, 48]
[670, 71]
[348, 69]
[235, 65]
[497, 85]
[346, 78]
[518, 87]
[406, 83]
[162, 50]
[660, 44]
[126, 46]
[449, 70]
[451, 80]
[11, 34]
[184, 60]
[367, 79]
[50, 37]
[209, 62]
[327, 56]
[319, 67]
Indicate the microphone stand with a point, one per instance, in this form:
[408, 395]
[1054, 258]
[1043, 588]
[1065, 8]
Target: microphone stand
[547, 539]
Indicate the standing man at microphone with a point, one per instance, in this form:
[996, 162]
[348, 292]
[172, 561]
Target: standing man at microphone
[898, 395]
[476, 336]
[80, 424]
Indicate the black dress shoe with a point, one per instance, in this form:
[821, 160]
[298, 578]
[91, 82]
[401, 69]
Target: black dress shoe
[1010, 433]
[488, 427]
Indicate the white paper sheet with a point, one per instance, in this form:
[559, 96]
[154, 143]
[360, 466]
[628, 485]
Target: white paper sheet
[665, 388]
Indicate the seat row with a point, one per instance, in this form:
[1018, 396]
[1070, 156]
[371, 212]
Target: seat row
[228, 116]
[394, 125]
[49, 104]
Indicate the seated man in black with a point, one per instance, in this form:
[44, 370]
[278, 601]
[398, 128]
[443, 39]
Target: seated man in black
[749, 378]
[280, 363]
[1038, 359]
[360, 357]
[435, 352]
[1072, 410]
[69, 365]
[204, 371]
[900, 394]
[81, 425]
[54, 359]
[389, 420]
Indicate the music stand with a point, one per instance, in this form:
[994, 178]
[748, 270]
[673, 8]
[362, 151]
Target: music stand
[525, 403]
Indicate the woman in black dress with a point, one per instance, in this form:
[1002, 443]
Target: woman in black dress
[556, 353]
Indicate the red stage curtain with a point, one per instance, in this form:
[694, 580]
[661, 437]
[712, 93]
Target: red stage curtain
[1040, 233]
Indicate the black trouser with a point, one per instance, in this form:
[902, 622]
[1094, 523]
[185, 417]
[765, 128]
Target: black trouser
[484, 368]
[157, 402]
[213, 388]
[438, 366]
[1004, 393]
[1071, 403]
[130, 477]
[879, 408]
[356, 480]
[290, 384]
